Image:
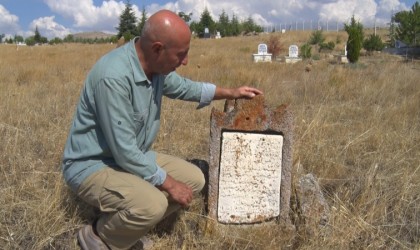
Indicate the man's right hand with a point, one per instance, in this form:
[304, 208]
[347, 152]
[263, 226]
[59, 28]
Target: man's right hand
[177, 191]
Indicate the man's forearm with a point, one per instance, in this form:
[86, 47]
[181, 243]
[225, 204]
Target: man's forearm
[236, 93]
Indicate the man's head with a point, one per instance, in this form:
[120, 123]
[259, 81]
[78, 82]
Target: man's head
[164, 42]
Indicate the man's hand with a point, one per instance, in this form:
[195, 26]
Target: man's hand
[178, 191]
[241, 92]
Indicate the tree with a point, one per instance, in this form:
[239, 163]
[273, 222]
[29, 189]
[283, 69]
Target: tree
[355, 40]
[142, 22]
[18, 39]
[30, 41]
[248, 25]
[206, 21]
[37, 36]
[223, 24]
[1, 38]
[127, 26]
[373, 43]
[187, 18]
[234, 26]
[408, 25]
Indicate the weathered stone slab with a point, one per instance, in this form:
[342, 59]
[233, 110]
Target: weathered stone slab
[250, 163]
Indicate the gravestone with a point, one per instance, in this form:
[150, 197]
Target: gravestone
[206, 33]
[263, 55]
[343, 58]
[293, 51]
[250, 163]
[293, 54]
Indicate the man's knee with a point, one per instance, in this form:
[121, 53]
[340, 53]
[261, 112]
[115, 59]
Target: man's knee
[197, 180]
[149, 211]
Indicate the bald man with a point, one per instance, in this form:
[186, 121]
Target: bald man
[108, 160]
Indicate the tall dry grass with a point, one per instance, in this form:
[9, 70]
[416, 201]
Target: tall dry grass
[357, 128]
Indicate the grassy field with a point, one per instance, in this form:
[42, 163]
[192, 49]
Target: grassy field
[356, 127]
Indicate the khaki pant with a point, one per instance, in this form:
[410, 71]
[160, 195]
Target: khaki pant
[131, 206]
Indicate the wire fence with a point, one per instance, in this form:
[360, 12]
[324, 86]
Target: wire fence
[317, 25]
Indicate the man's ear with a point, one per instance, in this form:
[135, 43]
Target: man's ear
[157, 47]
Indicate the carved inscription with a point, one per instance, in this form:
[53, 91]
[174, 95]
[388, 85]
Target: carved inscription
[250, 176]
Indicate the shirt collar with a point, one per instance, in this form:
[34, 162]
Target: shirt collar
[139, 75]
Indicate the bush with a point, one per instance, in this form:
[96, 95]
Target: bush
[274, 46]
[373, 43]
[305, 51]
[355, 40]
[327, 46]
[316, 37]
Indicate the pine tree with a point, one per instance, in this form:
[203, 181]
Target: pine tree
[127, 26]
[206, 21]
[355, 40]
[235, 27]
[142, 22]
[223, 24]
[37, 36]
[408, 25]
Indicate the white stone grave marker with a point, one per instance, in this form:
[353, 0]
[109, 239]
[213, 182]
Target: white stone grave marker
[250, 177]
[293, 51]
[263, 55]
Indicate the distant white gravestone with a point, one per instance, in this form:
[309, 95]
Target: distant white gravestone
[206, 33]
[263, 55]
[293, 54]
[262, 49]
[293, 51]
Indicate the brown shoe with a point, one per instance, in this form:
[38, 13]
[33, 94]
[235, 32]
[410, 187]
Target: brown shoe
[88, 240]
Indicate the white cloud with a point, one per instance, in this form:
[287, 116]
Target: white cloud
[49, 28]
[87, 16]
[8, 22]
[343, 10]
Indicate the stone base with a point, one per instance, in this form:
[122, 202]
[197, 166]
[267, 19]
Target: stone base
[262, 57]
[288, 59]
[342, 59]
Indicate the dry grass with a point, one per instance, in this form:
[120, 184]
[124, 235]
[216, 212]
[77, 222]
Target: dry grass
[357, 128]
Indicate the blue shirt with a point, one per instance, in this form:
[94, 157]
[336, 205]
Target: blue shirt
[118, 117]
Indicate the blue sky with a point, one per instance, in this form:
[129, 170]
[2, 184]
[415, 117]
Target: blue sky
[57, 18]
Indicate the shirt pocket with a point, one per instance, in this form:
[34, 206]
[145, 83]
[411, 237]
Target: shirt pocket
[139, 121]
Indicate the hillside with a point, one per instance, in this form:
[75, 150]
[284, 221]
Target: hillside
[92, 35]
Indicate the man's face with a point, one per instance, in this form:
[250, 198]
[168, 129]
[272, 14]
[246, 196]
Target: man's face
[173, 57]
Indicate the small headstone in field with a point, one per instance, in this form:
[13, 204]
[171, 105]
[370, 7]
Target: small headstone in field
[263, 55]
[293, 54]
[293, 51]
[206, 33]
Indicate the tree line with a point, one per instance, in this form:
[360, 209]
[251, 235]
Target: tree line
[129, 27]
[405, 26]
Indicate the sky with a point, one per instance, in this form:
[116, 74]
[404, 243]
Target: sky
[58, 18]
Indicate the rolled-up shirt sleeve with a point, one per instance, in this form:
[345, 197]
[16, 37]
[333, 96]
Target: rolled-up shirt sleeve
[207, 94]
[115, 117]
[178, 87]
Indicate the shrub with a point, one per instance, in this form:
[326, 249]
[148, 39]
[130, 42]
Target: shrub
[316, 37]
[355, 40]
[274, 46]
[373, 43]
[327, 46]
[305, 51]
